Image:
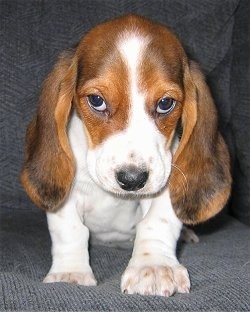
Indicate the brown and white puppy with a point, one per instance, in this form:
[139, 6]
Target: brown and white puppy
[103, 154]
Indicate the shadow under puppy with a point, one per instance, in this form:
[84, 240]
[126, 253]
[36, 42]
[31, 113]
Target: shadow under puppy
[103, 154]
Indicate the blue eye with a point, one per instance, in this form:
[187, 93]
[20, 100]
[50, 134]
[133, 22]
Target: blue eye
[97, 102]
[165, 105]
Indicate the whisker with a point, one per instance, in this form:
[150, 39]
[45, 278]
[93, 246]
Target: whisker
[184, 180]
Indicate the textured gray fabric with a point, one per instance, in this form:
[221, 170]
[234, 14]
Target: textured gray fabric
[240, 122]
[32, 34]
[218, 266]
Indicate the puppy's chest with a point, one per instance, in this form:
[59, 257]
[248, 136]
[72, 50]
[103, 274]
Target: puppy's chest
[108, 218]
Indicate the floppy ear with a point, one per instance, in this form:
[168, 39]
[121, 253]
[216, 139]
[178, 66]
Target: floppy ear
[200, 181]
[48, 170]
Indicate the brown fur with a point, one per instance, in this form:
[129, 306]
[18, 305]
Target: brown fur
[200, 179]
[49, 169]
[200, 184]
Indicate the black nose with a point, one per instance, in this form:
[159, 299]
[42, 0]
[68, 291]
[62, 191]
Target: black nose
[131, 178]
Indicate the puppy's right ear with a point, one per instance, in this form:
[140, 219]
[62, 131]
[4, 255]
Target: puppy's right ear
[49, 168]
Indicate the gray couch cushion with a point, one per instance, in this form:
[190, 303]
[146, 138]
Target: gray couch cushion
[218, 267]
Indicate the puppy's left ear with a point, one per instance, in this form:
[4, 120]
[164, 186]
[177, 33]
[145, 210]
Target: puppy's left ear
[200, 182]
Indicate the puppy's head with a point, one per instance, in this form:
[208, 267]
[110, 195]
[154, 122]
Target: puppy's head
[131, 84]
[129, 95]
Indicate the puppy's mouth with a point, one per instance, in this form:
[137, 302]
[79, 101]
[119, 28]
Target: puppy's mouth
[132, 182]
[135, 195]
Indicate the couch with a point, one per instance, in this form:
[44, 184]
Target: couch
[33, 33]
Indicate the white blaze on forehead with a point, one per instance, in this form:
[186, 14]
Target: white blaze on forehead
[132, 47]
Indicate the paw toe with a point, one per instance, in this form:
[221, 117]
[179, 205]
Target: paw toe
[86, 279]
[155, 280]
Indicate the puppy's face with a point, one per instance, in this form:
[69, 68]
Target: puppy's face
[129, 95]
[131, 83]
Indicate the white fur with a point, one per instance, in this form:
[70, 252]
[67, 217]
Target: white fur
[97, 203]
[154, 268]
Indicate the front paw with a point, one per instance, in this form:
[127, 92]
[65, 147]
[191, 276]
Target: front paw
[155, 280]
[81, 278]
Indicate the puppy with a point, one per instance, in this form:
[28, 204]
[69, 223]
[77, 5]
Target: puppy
[125, 145]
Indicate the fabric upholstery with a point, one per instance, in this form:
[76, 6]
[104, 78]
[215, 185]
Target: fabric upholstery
[218, 266]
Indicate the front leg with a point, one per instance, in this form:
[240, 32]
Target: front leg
[154, 268]
[70, 258]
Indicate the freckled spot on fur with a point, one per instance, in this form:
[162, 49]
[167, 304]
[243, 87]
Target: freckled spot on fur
[146, 254]
[163, 220]
[148, 271]
[131, 155]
